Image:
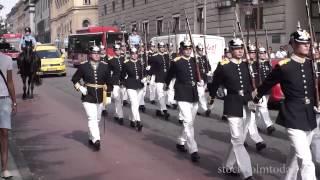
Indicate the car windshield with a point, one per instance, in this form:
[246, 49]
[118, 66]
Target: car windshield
[44, 54]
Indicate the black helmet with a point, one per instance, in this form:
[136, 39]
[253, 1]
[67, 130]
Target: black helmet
[27, 29]
[236, 43]
[94, 49]
[300, 36]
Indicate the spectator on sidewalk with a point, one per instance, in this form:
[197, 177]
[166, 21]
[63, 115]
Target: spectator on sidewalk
[282, 53]
[272, 55]
[8, 106]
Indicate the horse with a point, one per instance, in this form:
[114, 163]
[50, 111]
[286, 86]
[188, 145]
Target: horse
[29, 66]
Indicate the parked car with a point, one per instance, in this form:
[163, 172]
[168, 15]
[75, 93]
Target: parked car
[52, 61]
[276, 95]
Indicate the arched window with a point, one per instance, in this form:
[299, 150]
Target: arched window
[85, 23]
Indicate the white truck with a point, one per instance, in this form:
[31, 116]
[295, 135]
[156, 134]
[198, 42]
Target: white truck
[214, 44]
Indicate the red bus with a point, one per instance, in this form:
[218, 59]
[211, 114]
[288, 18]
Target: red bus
[10, 45]
[79, 43]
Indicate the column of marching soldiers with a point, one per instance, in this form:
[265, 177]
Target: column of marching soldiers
[180, 80]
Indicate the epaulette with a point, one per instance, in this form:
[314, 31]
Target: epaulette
[224, 61]
[127, 60]
[103, 62]
[111, 57]
[177, 59]
[83, 62]
[155, 54]
[283, 62]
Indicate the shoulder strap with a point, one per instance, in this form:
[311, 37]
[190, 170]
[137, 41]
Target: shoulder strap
[4, 79]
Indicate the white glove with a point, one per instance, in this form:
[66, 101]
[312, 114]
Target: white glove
[252, 105]
[316, 110]
[108, 100]
[201, 83]
[210, 73]
[144, 80]
[148, 68]
[83, 90]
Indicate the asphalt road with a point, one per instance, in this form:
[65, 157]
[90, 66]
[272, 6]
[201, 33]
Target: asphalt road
[51, 132]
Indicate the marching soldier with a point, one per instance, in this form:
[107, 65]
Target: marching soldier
[205, 70]
[160, 65]
[96, 88]
[186, 94]
[298, 110]
[152, 86]
[171, 103]
[235, 76]
[126, 55]
[142, 58]
[133, 77]
[262, 112]
[116, 66]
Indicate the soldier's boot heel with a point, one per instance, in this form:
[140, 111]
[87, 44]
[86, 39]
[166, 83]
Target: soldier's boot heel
[139, 126]
[166, 115]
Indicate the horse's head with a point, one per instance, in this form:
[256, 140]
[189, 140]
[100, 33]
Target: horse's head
[28, 51]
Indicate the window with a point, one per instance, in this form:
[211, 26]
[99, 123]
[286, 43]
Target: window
[255, 20]
[122, 4]
[200, 20]
[176, 24]
[159, 26]
[134, 25]
[133, 3]
[86, 23]
[145, 1]
[86, 2]
[105, 9]
[145, 27]
[113, 6]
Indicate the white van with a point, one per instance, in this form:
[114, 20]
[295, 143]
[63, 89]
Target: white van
[215, 45]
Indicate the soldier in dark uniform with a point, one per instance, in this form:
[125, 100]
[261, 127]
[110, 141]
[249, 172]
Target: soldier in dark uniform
[116, 65]
[160, 65]
[234, 75]
[298, 110]
[171, 103]
[205, 70]
[133, 77]
[142, 56]
[262, 112]
[152, 85]
[125, 55]
[186, 94]
[95, 91]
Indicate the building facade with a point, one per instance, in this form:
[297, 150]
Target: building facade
[21, 16]
[67, 16]
[213, 17]
[42, 21]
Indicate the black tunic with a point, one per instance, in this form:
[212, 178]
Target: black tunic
[160, 65]
[116, 66]
[132, 74]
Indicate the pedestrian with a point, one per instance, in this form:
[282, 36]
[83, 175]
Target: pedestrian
[281, 53]
[271, 53]
[298, 110]
[8, 106]
[116, 65]
[133, 78]
[234, 75]
[96, 91]
[134, 38]
[186, 95]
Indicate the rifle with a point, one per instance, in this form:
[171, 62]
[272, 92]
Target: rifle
[193, 47]
[257, 53]
[245, 49]
[267, 41]
[314, 62]
[146, 47]
[169, 53]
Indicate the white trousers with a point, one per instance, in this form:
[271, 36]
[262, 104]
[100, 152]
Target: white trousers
[203, 104]
[134, 97]
[117, 96]
[237, 153]
[144, 89]
[262, 112]
[124, 94]
[161, 94]
[253, 130]
[152, 89]
[300, 157]
[93, 112]
[170, 92]
[188, 112]
[317, 130]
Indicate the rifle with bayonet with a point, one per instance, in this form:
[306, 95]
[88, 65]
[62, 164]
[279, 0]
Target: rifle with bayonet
[257, 54]
[314, 62]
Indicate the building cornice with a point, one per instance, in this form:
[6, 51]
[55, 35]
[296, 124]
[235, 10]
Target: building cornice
[70, 10]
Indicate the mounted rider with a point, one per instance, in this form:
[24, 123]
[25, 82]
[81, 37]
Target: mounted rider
[26, 40]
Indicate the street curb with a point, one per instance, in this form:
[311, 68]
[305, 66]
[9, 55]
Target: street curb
[19, 159]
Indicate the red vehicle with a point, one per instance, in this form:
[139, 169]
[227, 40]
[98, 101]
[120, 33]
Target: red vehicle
[10, 45]
[276, 95]
[79, 43]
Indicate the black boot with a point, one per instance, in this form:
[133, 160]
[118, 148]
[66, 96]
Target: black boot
[208, 112]
[180, 121]
[250, 178]
[158, 113]
[96, 145]
[174, 106]
[166, 114]
[142, 108]
[181, 148]
[224, 118]
[120, 121]
[270, 129]
[104, 113]
[260, 146]
[125, 102]
[195, 157]
[139, 126]
[116, 118]
[132, 124]
[153, 102]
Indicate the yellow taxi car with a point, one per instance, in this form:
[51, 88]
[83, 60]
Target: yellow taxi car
[52, 61]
